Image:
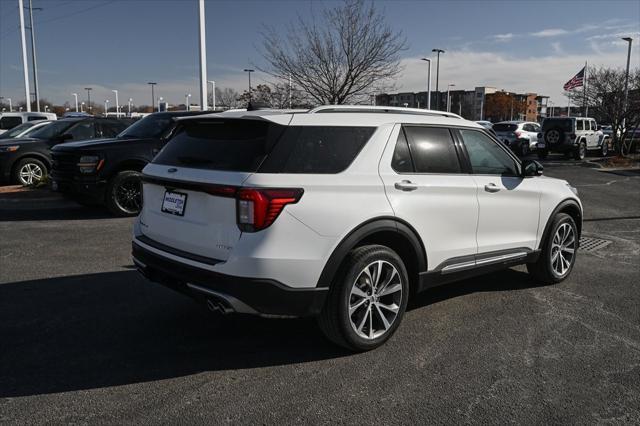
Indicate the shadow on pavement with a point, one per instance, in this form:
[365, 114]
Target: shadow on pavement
[71, 212]
[110, 329]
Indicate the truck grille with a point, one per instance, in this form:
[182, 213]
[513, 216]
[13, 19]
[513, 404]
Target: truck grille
[64, 165]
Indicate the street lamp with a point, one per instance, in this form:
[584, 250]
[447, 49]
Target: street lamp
[428, 83]
[88, 89]
[46, 108]
[626, 82]
[249, 72]
[449, 86]
[117, 104]
[186, 101]
[129, 110]
[153, 98]
[82, 107]
[438, 52]
[75, 95]
[160, 99]
[106, 107]
[10, 107]
[213, 91]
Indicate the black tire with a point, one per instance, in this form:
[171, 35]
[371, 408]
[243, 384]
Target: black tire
[335, 321]
[542, 154]
[554, 136]
[543, 269]
[28, 164]
[604, 149]
[124, 197]
[580, 152]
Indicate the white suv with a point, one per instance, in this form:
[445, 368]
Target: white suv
[343, 213]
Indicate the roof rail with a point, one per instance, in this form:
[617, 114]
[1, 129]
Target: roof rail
[381, 109]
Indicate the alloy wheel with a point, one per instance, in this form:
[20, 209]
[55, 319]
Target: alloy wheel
[375, 299]
[30, 173]
[563, 249]
[128, 195]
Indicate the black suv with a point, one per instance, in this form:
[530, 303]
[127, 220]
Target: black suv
[28, 160]
[107, 171]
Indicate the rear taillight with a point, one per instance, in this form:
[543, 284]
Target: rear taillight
[518, 133]
[258, 208]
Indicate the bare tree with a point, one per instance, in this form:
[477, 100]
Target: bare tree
[604, 95]
[338, 58]
[274, 96]
[227, 98]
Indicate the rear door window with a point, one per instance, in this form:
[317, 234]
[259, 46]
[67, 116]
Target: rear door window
[401, 161]
[432, 150]
[7, 123]
[580, 125]
[36, 117]
[82, 130]
[505, 127]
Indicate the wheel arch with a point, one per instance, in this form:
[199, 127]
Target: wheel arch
[570, 207]
[388, 231]
[36, 155]
[132, 164]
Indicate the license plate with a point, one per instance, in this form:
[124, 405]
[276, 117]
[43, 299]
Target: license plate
[174, 203]
[541, 145]
[54, 185]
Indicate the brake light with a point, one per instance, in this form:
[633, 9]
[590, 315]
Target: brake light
[518, 133]
[259, 208]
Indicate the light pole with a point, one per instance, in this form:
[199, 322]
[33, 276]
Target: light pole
[88, 89]
[428, 83]
[186, 101]
[153, 98]
[117, 104]
[46, 108]
[626, 82]
[75, 95]
[160, 99]
[10, 106]
[438, 52]
[33, 55]
[129, 103]
[213, 91]
[106, 107]
[82, 107]
[249, 72]
[449, 86]
[25, 68]
[291, 92]
[203, 57]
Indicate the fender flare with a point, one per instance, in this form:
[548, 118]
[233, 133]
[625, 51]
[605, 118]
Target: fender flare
[562, 205]
[364, 230]
[33, 154]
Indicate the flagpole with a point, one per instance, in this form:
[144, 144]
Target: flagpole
[584, 90]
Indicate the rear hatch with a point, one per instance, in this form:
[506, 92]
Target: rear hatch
[505, 131]
[189, 188]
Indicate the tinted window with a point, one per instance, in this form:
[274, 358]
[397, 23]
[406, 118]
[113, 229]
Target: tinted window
[152, 126]
[110, 130]
[564, 124]
[486, 156]
[82, 130]
[36, 117]
[594, 126]
[528, 128]
[579, 125]
[52, 130]
[231, 144]
[401, 161]
[432, 150]
[505, 127]
[7, 123]
[317, 149]
[16, 131]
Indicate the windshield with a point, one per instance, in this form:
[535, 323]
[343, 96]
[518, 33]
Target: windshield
[15, 132]
[565, 124]
[505, 127]
[152, 126]
[52, 130]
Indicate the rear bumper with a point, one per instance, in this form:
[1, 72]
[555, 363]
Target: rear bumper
[240, 294]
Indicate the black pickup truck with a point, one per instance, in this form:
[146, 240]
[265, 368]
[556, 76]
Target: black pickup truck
[107, 171]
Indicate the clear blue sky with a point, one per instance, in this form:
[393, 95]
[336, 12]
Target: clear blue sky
[516, 45]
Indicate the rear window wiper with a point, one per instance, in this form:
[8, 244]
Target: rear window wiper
[194, 160]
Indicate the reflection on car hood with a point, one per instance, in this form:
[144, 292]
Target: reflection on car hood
[96, 143]
[18, 141]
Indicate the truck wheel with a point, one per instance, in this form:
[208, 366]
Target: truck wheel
[558, 254]
[124, 194]
[580, 152]
[29, 171]
[604, 149]
[367, 299]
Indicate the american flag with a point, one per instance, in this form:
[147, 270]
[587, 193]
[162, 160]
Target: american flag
[576, 81]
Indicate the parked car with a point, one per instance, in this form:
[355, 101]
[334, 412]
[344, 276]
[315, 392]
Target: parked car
[344, 213]
[107, 171]
[9, 120]
[24, 129]
[26, 161]
[487, 125]
[572, 136]
[520, 136]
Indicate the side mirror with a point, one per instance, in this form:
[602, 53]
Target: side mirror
[531, 168]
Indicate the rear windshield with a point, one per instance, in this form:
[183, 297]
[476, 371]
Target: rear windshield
[258, 146]
[152, 127]
[565, 124]
[505, 127]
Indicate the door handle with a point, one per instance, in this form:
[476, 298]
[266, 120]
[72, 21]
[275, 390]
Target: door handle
[491, 187]
[406, 185]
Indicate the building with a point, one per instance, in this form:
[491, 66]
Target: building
[474, 104]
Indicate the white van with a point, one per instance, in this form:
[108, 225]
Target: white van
[9, 120]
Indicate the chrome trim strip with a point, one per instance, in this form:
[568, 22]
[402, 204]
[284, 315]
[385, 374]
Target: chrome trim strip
[480, 262]
[501, 258]
[456, 266]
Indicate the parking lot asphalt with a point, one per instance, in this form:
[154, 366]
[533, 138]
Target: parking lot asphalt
[85, 339]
